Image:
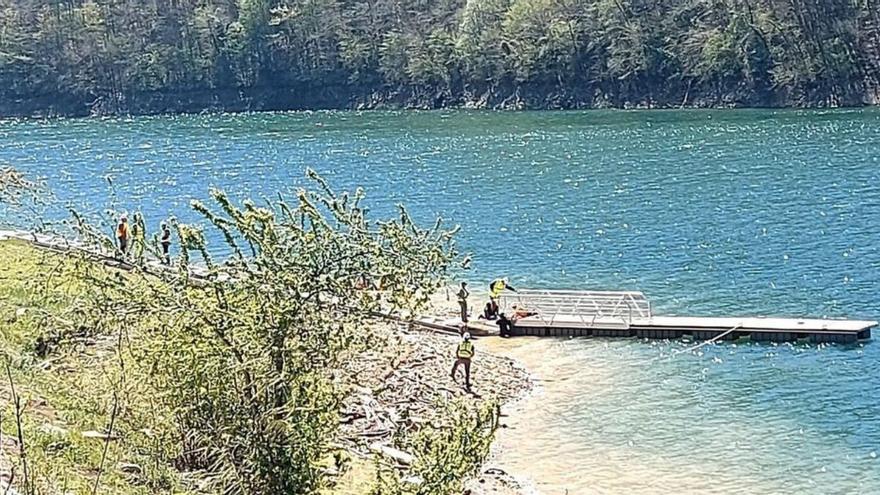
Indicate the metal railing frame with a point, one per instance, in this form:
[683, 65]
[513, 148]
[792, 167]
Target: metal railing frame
[586, 306]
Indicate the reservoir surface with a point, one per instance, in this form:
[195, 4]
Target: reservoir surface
[737, 212]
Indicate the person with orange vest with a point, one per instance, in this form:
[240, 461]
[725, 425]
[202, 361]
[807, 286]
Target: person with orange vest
[122, 234]
[463, 354]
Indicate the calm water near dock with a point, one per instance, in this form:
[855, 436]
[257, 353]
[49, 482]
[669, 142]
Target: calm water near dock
[708, 212]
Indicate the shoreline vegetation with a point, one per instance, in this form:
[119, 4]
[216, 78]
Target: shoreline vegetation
[103, 58]
[261, 373]
[417, 369]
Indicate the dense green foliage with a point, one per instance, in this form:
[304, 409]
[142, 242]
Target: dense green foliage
[226, 378]
[445, 455]
[244, 360]
[123, 55]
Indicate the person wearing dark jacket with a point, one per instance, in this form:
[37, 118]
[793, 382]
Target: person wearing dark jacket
[463, 294]
[490, 312]
[504, 325]
[166, 243]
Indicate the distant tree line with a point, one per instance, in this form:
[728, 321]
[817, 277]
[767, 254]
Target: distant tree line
[121, 55]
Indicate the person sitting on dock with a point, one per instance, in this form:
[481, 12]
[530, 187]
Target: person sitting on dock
[463, 354]
[504, 325]
[490, 312]
[122, 234]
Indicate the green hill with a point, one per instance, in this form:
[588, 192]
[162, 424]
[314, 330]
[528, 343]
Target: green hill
[146, 56]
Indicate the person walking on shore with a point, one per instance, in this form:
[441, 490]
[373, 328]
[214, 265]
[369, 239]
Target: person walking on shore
[463, 294]
[122, 234]
[165, 241]
[463, 354]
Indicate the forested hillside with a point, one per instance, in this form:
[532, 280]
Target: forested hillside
[142, 56]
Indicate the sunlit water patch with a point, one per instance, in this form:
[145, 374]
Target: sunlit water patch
[708, 212]
[613, 416]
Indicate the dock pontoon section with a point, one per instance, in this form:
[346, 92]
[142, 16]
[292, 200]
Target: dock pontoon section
[563, 313]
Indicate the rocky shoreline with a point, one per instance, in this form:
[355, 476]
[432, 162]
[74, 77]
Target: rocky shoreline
[504, 374]
[345, 96]
[374, 410]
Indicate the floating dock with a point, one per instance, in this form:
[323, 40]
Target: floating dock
[629, 314]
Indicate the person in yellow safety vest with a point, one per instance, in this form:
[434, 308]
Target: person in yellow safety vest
[463, 354]
[122, 234]
[497, 287]
[139, 234]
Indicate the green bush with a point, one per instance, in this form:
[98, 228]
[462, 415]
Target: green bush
[239, 360]
[446, 455]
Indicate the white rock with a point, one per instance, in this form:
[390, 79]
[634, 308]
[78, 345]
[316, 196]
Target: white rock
[98, 435]
[413, 480]
[398, 455]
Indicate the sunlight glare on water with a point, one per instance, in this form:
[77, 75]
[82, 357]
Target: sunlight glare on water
[709, 212]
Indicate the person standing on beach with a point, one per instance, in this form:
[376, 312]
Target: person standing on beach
[463, 294]
[166, 243]
[139, 233]
[122, 234]
[463, 354]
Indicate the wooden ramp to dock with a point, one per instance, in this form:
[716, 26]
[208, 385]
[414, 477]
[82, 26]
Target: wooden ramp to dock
[477, 328]
[629, 314]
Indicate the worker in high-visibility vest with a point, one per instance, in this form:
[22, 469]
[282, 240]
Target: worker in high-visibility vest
[463, 354]
[498, 286]
[139, 236]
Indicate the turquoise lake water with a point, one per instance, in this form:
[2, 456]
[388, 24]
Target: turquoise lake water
[709, 212]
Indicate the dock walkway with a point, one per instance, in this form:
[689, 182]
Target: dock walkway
[630, 314]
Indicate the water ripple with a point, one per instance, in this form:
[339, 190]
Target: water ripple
[735, 212]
